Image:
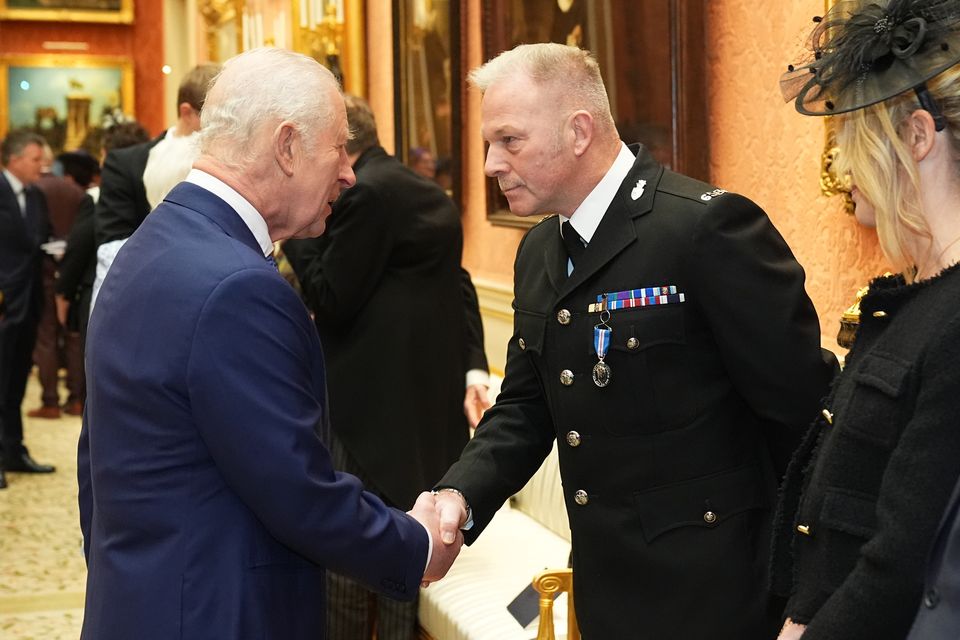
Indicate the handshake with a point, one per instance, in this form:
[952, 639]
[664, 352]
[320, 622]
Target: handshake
[442, 514]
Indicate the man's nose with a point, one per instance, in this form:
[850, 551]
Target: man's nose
[347, 177]
[493, 165]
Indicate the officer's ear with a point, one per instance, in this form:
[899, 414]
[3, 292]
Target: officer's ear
[583, 129]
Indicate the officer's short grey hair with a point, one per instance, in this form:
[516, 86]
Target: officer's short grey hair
[573, 68]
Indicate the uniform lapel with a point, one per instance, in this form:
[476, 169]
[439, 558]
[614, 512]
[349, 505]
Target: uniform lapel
[555, 256]
[617, 230]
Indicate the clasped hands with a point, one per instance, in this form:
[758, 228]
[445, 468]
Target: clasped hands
[442, 514]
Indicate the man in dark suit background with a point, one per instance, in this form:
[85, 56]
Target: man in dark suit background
[24, 226]
[208, 503]
[663, 337]
[400, 325]
[65, 193]
[77, 272]
[123, 205]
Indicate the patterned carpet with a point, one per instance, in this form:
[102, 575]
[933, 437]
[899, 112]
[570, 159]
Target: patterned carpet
[42, 572]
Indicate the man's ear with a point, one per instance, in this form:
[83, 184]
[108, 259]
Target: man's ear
[286, 146]
[583, 130]
[921, 133]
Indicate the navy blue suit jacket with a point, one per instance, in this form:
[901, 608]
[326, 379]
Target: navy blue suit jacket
[208, 502]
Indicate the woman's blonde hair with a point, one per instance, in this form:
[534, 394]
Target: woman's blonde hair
[881, 165]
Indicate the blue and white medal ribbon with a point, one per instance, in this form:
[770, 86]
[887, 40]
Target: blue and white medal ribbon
[601, 342]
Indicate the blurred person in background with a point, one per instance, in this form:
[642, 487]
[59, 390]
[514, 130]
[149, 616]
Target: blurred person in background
[24, 226]
[124, 198]
[65, 190]
[78, 268]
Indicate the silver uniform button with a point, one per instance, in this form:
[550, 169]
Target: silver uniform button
[522, 343]
[563, 316]
[709, 517]
[632, 344]
[573, 438]
[581, 497]
[566, 377]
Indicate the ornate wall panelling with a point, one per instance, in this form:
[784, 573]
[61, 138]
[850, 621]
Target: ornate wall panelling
[428, 91]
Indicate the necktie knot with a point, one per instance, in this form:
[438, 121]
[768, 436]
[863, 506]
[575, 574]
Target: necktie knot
[572, 241]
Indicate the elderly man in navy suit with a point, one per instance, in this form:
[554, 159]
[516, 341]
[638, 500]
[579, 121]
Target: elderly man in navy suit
[208, 502]
[24, 226]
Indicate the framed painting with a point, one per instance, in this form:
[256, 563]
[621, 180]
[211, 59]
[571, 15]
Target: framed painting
[428, 89]
[67, 99]
[652, 60]
[115, 11]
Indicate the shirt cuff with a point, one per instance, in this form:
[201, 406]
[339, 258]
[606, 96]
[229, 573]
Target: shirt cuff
[429, 546]
[478, 376]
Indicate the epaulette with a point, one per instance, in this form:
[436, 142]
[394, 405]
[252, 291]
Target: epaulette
[544, 219]
[688, 188]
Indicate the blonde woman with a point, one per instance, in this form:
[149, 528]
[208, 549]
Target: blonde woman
[866, 489]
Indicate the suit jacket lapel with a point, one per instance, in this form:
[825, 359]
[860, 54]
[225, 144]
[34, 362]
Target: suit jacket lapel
[13, 206]
[616, 231]
[34, 217]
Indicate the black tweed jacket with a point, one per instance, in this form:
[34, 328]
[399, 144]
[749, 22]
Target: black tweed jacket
[866, 489]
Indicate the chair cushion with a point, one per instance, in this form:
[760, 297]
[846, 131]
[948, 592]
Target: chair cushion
[470, 603]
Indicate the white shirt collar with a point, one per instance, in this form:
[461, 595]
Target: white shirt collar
[250, 216]
[588, 215]
[15, 183]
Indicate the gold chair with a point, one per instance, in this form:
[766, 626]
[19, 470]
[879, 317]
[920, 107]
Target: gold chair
[549, 584]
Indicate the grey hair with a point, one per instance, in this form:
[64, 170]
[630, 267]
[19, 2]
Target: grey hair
[363, 125]
[548, 63]
[260, 87]
[15, 143]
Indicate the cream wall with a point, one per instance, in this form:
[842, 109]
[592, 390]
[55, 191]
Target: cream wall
[762, 148]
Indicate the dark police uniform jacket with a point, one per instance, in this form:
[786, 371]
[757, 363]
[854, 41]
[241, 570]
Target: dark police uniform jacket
[670, 471]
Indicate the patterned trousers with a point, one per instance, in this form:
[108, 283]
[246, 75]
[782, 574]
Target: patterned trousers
[353, 611]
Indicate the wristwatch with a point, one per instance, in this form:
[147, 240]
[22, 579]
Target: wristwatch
[469, 522]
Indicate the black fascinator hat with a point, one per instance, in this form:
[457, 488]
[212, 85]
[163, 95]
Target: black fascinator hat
[865, 52]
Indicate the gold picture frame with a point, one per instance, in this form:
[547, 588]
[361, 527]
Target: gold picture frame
[428, 88]
[66, 98]
[109, 11]
[832, 184]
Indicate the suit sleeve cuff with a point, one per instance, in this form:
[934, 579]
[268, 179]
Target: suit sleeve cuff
[429, 546]
[478, 376]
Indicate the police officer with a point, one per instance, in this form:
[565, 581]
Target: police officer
[663, 336]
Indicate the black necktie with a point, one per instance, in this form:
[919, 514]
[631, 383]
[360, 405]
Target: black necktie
[573, 242]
